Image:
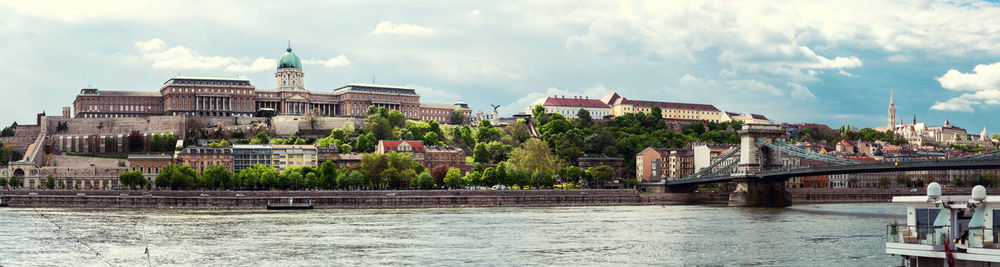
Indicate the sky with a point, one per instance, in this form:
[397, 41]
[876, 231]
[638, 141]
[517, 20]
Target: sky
[830, 62]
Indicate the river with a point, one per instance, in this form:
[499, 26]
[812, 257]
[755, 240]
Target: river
[821, 235]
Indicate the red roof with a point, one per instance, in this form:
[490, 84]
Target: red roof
[758, 116]
[387, 145]
[672, 105]
[575, 102]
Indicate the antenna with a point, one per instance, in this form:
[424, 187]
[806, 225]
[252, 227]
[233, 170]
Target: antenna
[373, 77]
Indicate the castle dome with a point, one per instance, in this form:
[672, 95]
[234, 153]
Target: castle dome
[289, 60]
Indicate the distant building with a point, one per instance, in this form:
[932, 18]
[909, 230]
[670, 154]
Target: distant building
[450, 156]
[569, 106]
[654, 164]
[149, 165]
[747, 118]
[670, 110]
[203, 157]
[287, 156]
[246, 156]
[615, 163]
[706, 154]
[919, 133]
[349, 160]
[442, 112]
[402, 146]
[325, 154]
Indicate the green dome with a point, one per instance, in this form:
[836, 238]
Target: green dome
[289, 60]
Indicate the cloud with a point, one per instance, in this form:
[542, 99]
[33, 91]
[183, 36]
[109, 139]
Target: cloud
[751, 85]
[182, 58]
[966, 102]
[390, 28]
[984, 77]
[846, 74]
[428, 94]
[338, 61]
[797, 90]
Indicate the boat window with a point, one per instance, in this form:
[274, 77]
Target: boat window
[925, 220]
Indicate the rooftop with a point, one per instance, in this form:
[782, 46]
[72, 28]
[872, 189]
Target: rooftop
[574, 102]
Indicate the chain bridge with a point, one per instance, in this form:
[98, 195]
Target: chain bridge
[756, 167]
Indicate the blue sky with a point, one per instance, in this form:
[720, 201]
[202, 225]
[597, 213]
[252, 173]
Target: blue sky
[831, 63]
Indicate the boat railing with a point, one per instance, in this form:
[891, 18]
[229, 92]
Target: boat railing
[916, 234]
[982, 237]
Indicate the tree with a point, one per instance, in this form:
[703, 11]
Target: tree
[261, 138]
[135, 142]
[901, 180]
[395, 118]
[311, 181]
[62, 184]
[295, 180]
[312, 116]
[424, 181]
[14, 182]
[366, 143]
[154, 143]
[431, 139]
[132, 179]
[454, 178]
[601, 174]
[538, 112]
[353, 181]
[7, 131]
[570, 174]
[50, 182]
[328, 175]
[884, 182]
[218, 176]
[479, 154]
[457, 116]
[3, 182]
[438, 173]
[959, 182]
[534, 155]
[491, 176]
[583, 119]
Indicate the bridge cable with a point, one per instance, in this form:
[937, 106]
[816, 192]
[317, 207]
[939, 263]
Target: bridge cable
[807, 152]
[96, 253]
[713, 165]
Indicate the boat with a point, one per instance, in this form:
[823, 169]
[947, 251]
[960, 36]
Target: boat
[947, 230]
[291, 204]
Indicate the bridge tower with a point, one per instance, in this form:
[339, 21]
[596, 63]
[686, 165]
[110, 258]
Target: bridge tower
[755, 157]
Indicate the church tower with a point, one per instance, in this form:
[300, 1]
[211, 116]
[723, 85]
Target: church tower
[289, 75]
[892, 111]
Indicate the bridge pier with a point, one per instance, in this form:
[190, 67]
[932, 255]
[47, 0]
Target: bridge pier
[760, 194]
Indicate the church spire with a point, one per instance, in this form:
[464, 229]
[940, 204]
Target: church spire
[892, 111]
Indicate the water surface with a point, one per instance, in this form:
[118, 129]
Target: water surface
[824, 235]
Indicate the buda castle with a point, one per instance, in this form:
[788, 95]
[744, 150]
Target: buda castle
[201, 96]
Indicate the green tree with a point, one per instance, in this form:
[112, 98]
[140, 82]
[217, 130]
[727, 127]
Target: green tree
[453, 178]
[3, 182]
[131, 179]
[14, 182]
[328, 175]
[7, 131]
[570, 174]
[295, 180]
[366, 143]
[583, 119]
[311, 181]
[431, 139]
[491, 177]
[62, 184]
[479, 154]
[218, 176]
[457, 116]
[534, 155]
[601, 174]
[423, 181]
[50, 182]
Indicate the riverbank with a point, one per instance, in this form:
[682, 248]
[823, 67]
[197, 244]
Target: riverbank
[168, 199]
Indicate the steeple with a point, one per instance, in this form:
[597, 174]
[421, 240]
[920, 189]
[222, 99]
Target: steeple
[982, 135]
[892, 110]
[914, 118]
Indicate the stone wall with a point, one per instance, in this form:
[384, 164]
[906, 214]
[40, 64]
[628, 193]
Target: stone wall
[288, 125]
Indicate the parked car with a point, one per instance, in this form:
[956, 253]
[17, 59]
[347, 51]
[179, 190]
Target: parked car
[32, 194]
[81, 194]
[204, 194]
[123, 195]
[390, 194]
[240, 195]
[147, 194]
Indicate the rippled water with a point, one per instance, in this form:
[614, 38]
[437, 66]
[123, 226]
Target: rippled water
[833, 234]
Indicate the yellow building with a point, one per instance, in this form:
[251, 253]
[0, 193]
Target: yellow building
[285, 156]
[671, 110]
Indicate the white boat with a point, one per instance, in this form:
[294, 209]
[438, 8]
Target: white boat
[947, 230]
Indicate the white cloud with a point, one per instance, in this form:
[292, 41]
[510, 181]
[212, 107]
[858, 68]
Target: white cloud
[338, 61]
[898, 58]
[984, 77]
[846, 74]
[182, 58]
[797, 90]
[750, 85]
[390, 28]
[983, 82]
[429, 94]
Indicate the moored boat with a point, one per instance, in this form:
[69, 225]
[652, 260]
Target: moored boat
[947, 230]
[290, 204]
